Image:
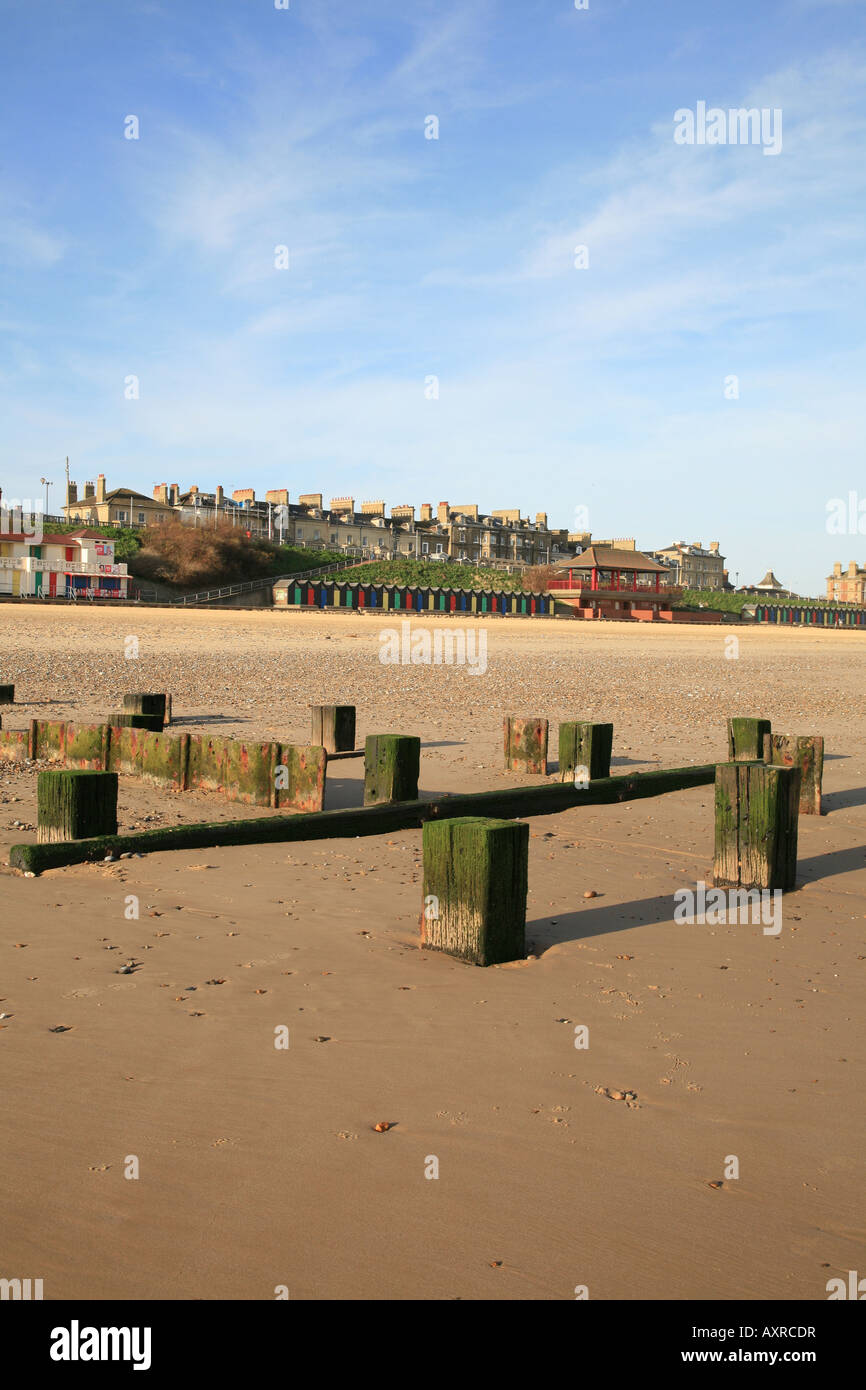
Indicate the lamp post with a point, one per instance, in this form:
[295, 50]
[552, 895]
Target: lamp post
[46, 484]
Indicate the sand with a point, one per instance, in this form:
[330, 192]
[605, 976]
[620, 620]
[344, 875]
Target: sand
[260, 1168]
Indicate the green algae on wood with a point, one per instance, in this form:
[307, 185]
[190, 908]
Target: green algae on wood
[584, 745]
[546, 799]
[75, 804]
[392, 764]
[301, 784]
[756, 826]
[87, 746]
[746, 739]
[475, 884]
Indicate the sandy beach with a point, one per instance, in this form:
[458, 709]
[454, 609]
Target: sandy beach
[260, 1167]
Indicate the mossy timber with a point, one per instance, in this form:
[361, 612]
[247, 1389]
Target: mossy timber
[585, 745]
[476, 874]
[746, 739]
[756, 807]
[513, 802]
[235, 768]
[75, 804]
[392, 765]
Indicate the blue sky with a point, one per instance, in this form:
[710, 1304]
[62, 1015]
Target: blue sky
[559, 388]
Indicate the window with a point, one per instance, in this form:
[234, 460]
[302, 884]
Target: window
[333, 537]
[120, 516]
[424, 548]
[299, 532]
[141, 518]
[438, 547]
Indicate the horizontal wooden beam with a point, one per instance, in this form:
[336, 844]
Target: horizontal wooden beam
[510, 803]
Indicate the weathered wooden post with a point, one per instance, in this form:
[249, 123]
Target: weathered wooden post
[475, 883]
[7, 694]
[124, 719]
[75, 804]
[392, 763]
[525, 744]
[805, 752]
[756, 825]
[152, 704]
[333, 727]
[746, 739]
[584, 745]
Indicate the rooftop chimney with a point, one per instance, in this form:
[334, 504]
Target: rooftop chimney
[426, 511]
[160, 493]
[100, 487]
[442, 512]
[71, 493]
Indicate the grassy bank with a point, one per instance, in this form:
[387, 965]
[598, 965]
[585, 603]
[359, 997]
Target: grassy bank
[434, 574]
[725, 602]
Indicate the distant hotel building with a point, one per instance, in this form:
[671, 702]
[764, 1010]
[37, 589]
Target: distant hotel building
[692, 567]
[849, 587]
[461, 533]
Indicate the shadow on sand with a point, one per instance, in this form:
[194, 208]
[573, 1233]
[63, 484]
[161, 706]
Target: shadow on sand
[599, 921]
[841, 801]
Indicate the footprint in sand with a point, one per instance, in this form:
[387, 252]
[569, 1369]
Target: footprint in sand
[630, 1097]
